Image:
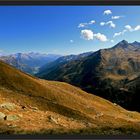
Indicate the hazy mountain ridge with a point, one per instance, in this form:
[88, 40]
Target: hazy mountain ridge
[60, 62]
[29, 62]
[105, 72]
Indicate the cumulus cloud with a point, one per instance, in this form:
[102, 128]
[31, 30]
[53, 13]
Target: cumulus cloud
[107, 12]
[81, 25]
[102, 23]
[137, 28]
[92, 22]
[100, 37]
[129, 28]
[110, 23]
[116, 17]
[89, 35]
[119, 33]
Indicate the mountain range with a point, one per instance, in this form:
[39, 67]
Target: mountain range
[28, 62]
[29, 105]
[112, 73]
[60, 62]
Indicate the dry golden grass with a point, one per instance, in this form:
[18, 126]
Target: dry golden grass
[71, 108]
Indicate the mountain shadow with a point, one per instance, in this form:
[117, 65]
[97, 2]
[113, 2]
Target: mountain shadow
[107, 73]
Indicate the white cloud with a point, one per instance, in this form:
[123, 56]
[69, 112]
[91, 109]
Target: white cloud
[71, 41]
[92, 22]
[137, 28]
[112, 41]
[87, 34]
[116, 17]
[107, 12]
[100, 37]
[110, 23]
[81, 25]
[102, 23]
[119, 33]
[130, 29]
[124, 31]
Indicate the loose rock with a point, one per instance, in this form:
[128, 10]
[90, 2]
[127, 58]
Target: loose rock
[12, 117]
[53, 119]
[115, 104]
[34, 108]
[2, 116]
[9, 106]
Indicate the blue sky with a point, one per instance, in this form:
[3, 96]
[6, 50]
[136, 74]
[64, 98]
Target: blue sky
[66, 29]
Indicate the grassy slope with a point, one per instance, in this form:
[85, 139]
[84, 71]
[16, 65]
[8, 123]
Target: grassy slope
[71, 104]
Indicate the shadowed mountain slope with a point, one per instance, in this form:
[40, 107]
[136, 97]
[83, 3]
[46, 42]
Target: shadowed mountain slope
[44, 70]
[104, 73]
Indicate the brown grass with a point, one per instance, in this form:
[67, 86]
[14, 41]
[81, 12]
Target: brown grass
[75, 109]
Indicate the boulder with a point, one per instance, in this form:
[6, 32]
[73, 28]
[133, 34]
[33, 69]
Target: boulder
[34, 108]
[12, 117]
[114, 104]
[12, 125]
[8, 106]
[2, 116]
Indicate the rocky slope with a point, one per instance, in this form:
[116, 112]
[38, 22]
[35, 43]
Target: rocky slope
[29, 105]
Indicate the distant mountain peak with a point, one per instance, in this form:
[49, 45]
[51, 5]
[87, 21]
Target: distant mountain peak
[136, 43]
[122, 44]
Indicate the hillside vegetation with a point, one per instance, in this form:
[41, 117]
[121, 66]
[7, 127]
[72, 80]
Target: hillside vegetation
[29, 105]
